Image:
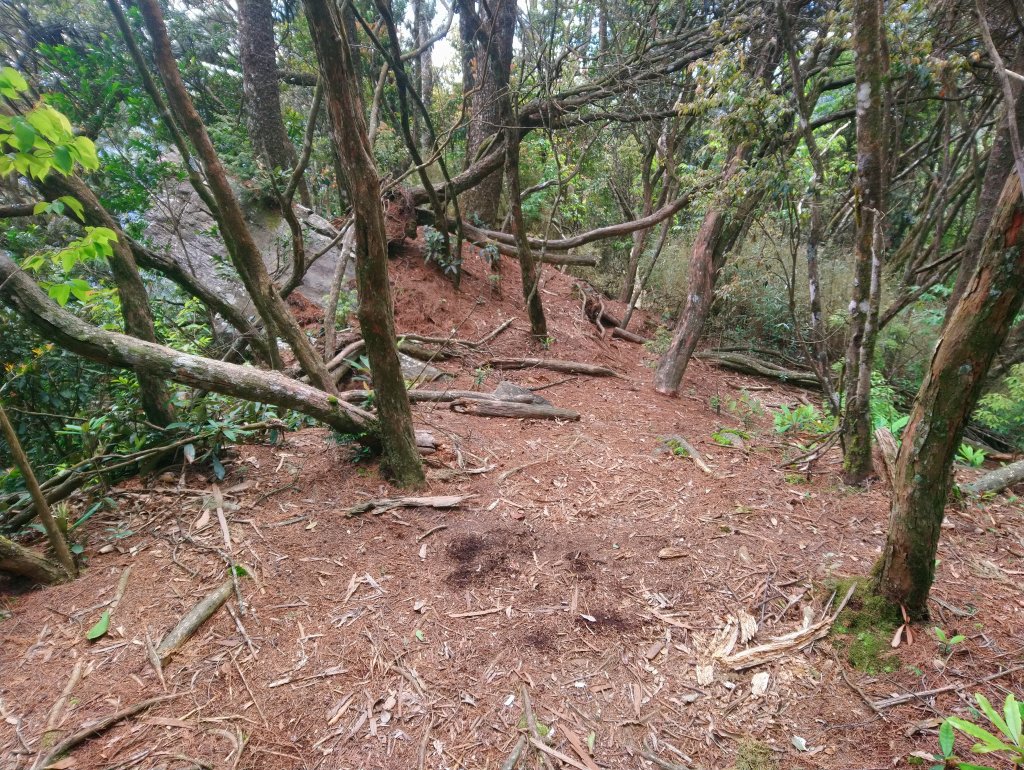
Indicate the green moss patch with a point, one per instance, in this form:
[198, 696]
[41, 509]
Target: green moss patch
[866, 627]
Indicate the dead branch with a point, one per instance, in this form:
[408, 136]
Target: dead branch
[750, 365]
[98, 727]
[513, 409]
[896, 700]
[18, 560]
[997, 480]
[193, 619]
[568, 367]
[377, 507]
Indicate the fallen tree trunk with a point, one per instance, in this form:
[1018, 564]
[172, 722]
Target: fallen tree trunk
[479, 408]
[19, 292]
[555, 365]
[18, 560]
[437, 396]
[997, 480]
[594, 310]
[750, 365]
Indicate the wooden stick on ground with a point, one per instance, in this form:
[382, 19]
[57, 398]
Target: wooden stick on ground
[193, 619]
[896, 700]
[57, 710]
[377, 507]
[555, 365]
[95, 729]
[513, 409]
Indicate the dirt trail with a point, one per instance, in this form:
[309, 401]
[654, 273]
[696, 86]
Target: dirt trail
[405, 640]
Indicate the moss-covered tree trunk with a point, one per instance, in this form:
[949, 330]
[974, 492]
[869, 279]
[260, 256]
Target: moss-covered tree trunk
[18, 560]
[870, 68]
[528, 267]
[970, 340]
[376, 316]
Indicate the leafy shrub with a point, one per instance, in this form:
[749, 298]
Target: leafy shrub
[435, 251]
[1003, 410]
[1006, 743]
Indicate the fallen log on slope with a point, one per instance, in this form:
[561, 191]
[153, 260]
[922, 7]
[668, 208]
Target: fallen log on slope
[513, 409]
[594, 310]
[750, 365]
[555, 365]
[18, 560]
[997, 480]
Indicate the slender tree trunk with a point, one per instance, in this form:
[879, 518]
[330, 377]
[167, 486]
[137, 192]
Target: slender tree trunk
[376, 318]
[424, 14]
[257, 53]
[245, 254]
[19, 292]
[970, 340]
[138, 317]
[868, 34]
[528, 267]
[53, 533]
[640, 236]
[705, 264]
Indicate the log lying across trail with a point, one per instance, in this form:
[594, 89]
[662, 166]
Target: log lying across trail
[594, 310]
[749, 365]
[555, 365]
[997, 480]
[479, 408]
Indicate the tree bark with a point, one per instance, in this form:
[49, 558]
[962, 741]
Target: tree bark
[870, 66]
[135, 310]
[244, 253]
[487, 65]
[18, 560]
[528, 268]
[706, 261]
[948, 394]
[19, 292]
[257, 53]
[376, 318]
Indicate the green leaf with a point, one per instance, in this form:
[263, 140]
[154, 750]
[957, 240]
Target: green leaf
[74, 204]
[101, 627]
[41, 208]
[12, 78]
[992, 714]
[24, 135]
[1013, 722]
[946, 738]
[83, 147]
[62, 159]
[419, 635]
[80, 289]
[218, 467]
[60, 293]
[240, 571]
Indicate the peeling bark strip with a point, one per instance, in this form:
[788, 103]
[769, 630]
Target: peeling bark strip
[19, 291]
[950, 389]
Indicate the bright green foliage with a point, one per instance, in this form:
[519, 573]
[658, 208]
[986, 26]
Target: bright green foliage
[803, 419]
[947, 643]
[970, 456]
[1003, 410]
[1005, 743]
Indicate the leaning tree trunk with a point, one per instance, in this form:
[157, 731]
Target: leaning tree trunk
[138, 318]
[969, 342]
[257, 53]
[705, 264]
[19, 292]
[528, 267]
[244, 253]
[376, 318]
[868, 33]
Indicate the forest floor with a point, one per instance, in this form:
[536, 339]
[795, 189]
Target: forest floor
[407, 639]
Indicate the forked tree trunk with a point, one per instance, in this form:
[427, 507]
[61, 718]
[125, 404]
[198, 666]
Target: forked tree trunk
[954, 379]
[257, 53]
[868, 33]
[19, 292]
[242, 248]
[376, 318]
[138, 317]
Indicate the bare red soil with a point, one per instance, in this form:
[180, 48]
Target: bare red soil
[406, 640]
